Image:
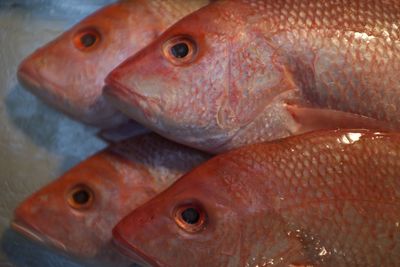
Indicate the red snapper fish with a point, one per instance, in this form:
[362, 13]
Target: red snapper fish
[328, 198]
[76, 213]
[245, 71]
[68, 73]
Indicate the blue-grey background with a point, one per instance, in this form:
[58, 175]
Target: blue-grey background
[37, 144]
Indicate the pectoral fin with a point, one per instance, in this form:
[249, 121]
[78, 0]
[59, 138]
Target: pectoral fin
[310, 119]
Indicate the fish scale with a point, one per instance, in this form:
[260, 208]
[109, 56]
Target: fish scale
[328, 198]
[267, 69]
[372, 28]
[170, 10]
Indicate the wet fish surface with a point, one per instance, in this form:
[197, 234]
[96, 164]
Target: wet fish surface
[327, 198]
[76, 213]
[68, 73]
[245, 71]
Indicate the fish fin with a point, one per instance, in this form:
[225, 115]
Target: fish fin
[309, 119]
[122, 132]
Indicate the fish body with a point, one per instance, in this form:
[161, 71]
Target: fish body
[245, 71]
[76, 213]
[328, 198]
[68, 73]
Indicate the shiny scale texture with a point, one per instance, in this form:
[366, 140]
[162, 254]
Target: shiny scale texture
[320, 199]
[263, 70]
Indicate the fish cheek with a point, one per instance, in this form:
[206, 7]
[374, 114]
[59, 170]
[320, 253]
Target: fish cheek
[253, 80]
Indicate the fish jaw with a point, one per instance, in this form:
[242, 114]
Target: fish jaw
[121, 87]
[128, 238]
[24, 228]
[32, 77]
[21, 223]
[149, 111]
[129, 102]
[29, 76]
[133, 252]
[147, 95]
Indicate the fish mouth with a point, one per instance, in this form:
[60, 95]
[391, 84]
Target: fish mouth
[32, 80]
[27, 231]
[139, 107]
[28, 78]
[133, 252]
[35, 234]
[45, 89]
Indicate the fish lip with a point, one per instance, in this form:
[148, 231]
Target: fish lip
[133, 252]
[116, 90]
[28, 230]
[28, 78]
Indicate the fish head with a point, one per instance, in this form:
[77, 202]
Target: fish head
[68, 72]
[201, 81]
[212, 217]
[178, 226]
[77, 212]
[198, 221]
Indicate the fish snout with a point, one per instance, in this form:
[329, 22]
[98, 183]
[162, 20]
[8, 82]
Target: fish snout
[140, 75]
[28, 74]
[132, 252]
[141, 103]
[20, 223]
[130, 235]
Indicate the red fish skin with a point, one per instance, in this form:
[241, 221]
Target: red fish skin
[121, 177]
[71, 79]
[254, 60]
[327, 198]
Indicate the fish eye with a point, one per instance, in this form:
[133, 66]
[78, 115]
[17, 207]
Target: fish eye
[80, 197]
[180, 50]
[86, 39]
[190, 218]
[190, 215]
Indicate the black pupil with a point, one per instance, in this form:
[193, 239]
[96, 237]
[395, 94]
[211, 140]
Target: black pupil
[180, 50]
[88, 39]
[190, 215]
[81, 197]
